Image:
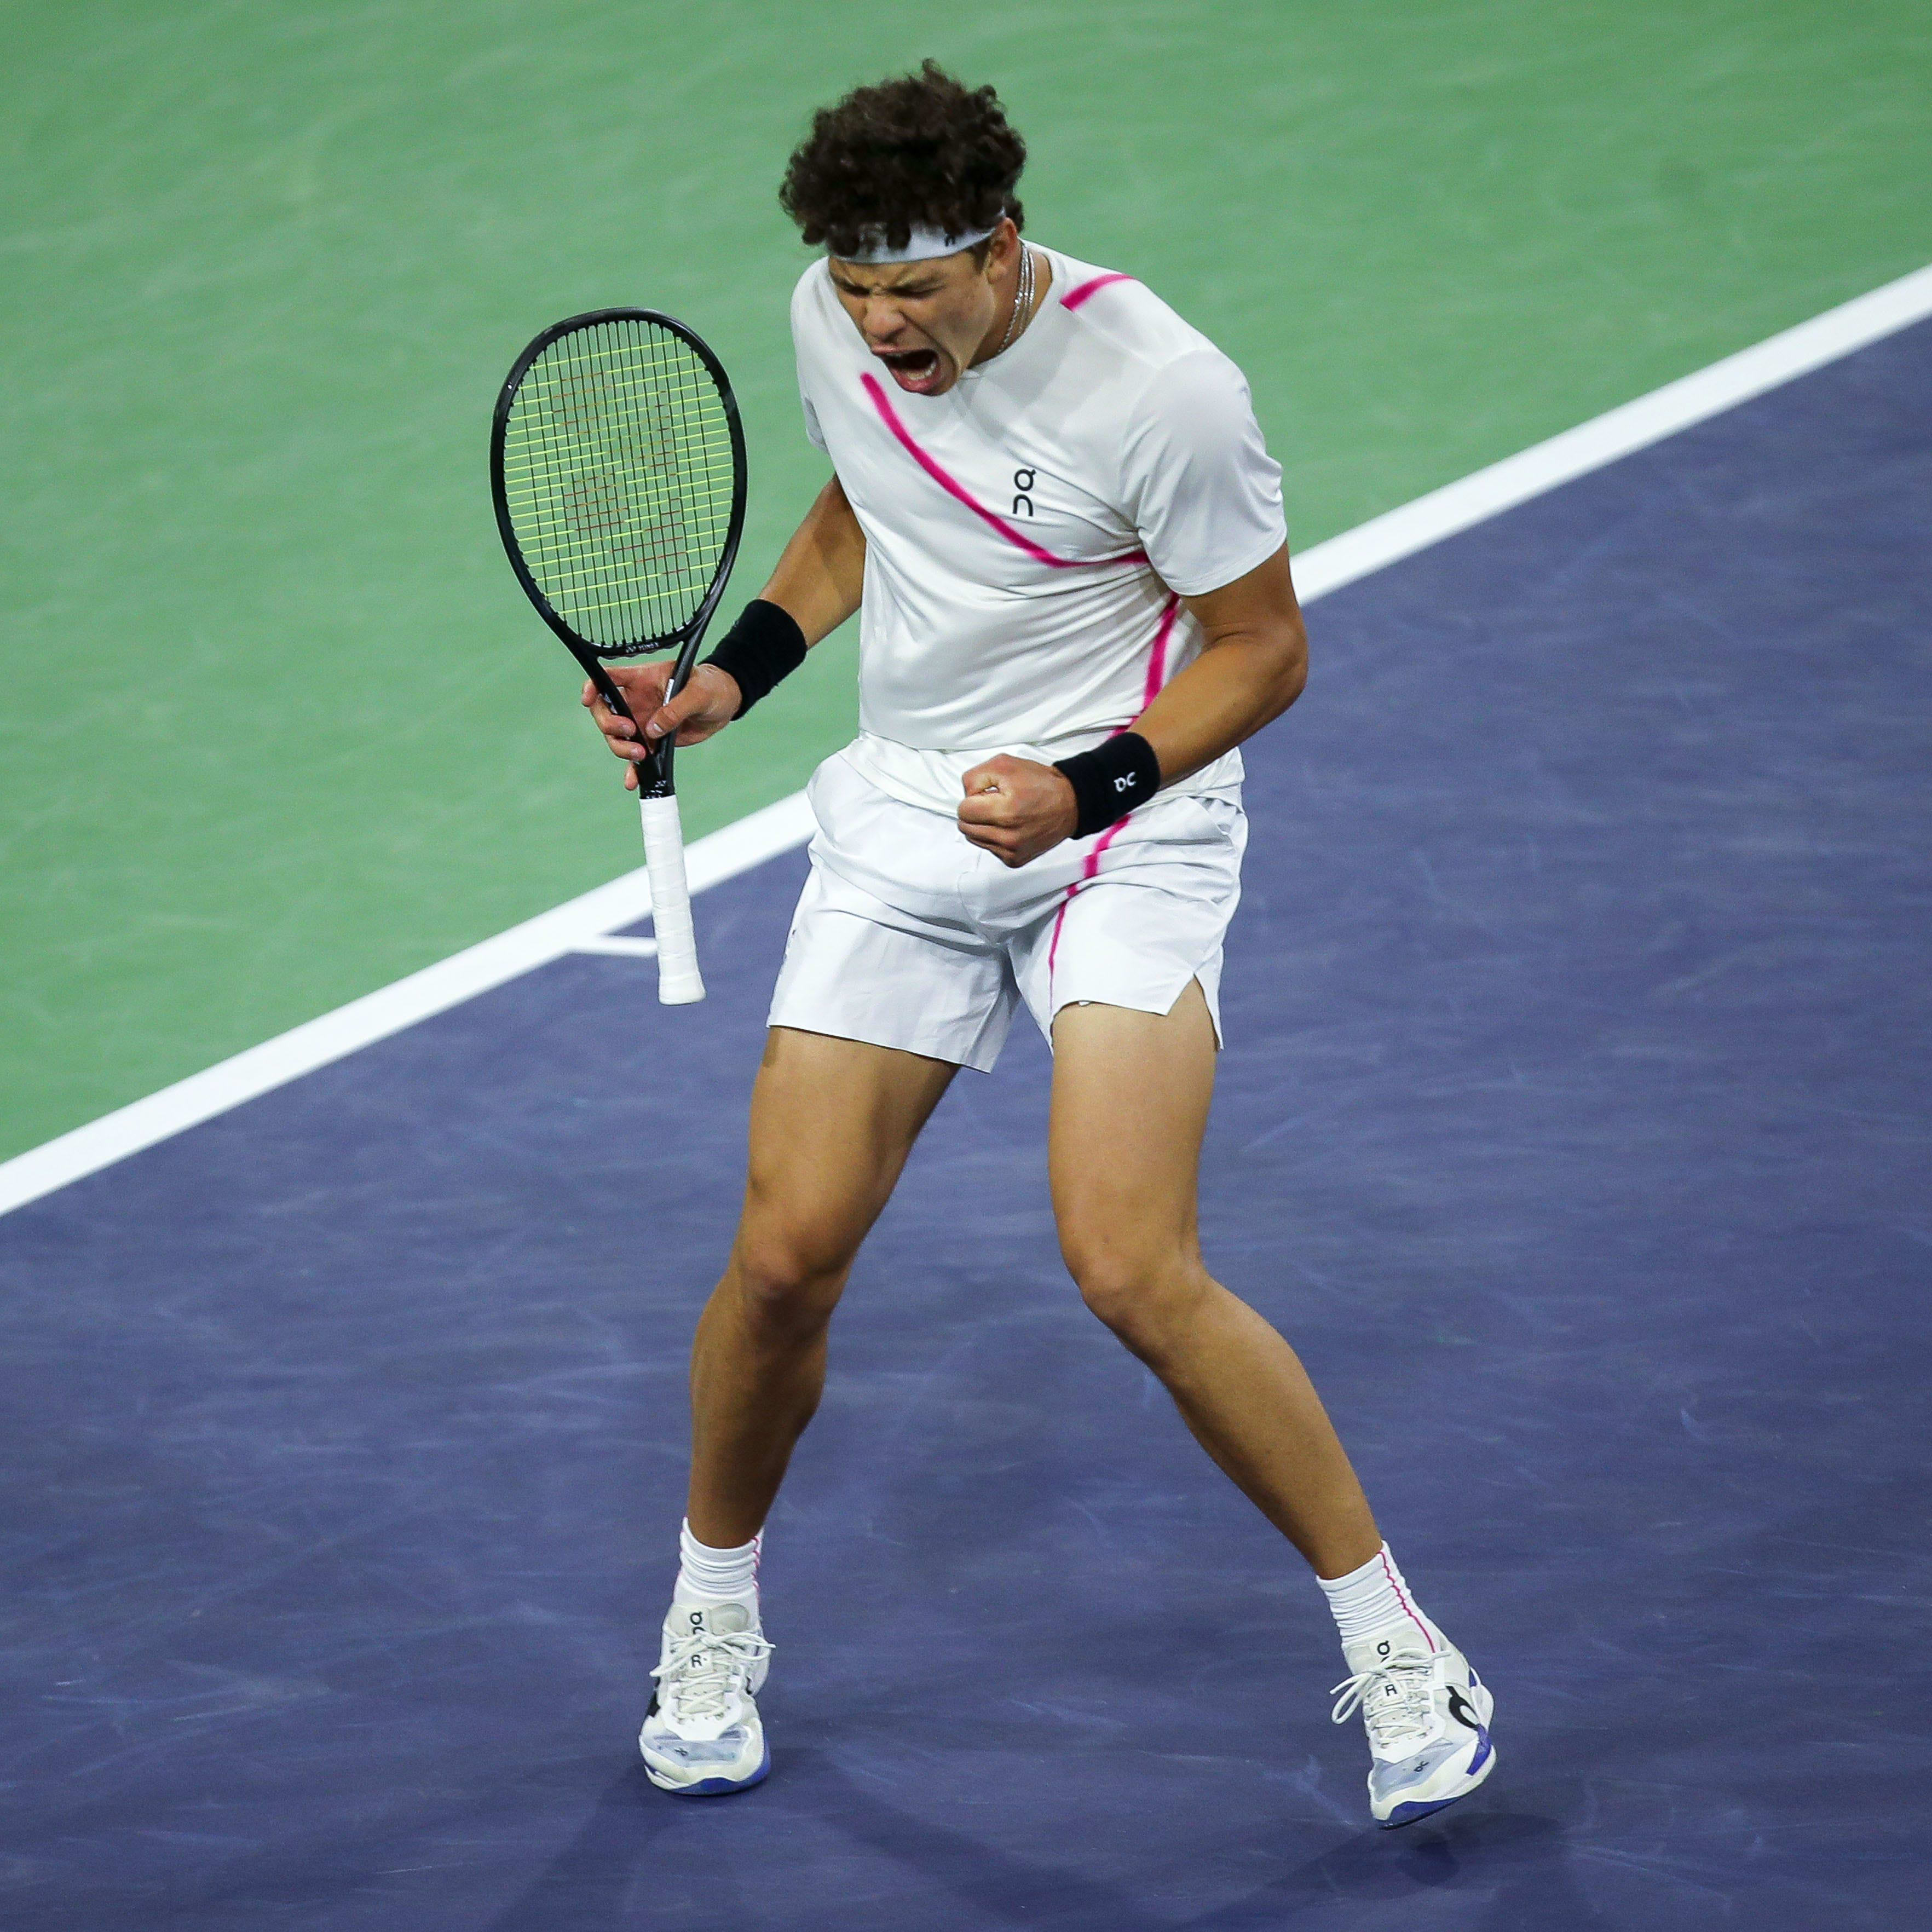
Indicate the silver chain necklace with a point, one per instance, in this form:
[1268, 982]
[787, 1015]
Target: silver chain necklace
[1022, 300]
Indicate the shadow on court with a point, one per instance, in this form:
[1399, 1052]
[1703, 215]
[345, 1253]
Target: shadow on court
[603, 1874]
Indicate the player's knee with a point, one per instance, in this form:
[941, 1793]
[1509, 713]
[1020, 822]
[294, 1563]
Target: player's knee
[788, 1276]
[1138, 1294]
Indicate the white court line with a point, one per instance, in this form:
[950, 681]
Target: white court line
[578, 924]
[618, 946]
[585, 924]
[1707, 392]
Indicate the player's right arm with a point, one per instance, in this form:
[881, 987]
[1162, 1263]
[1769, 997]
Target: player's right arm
[818, 582]
[821, 576]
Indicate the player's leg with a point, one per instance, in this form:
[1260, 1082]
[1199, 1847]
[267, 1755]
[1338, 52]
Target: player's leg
[1130, 1096]
[832, 1120]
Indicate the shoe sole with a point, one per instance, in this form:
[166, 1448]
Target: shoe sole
[713, 1787]
[1408, 1814]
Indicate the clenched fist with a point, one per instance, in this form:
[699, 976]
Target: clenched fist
[1016, 809]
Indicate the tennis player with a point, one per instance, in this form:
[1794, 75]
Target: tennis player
[1053, 508]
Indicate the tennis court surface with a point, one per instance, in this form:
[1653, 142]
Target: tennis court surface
[1571, 1123]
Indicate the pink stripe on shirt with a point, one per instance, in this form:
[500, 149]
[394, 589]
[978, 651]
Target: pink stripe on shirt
[1156, 675]
[1075, 297]
[954, 488]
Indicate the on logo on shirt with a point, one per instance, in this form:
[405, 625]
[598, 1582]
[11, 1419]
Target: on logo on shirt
[1023, 481]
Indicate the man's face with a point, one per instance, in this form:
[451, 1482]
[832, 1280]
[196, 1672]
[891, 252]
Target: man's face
[928, 322]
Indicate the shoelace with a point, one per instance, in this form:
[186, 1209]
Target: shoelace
[702, 1671]
[1393, 1696]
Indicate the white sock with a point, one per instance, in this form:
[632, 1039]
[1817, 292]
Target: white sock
[1372, 1599]
[708, 1575]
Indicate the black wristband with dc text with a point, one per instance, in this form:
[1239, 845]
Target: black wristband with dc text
[1109, 781]
[763, 646]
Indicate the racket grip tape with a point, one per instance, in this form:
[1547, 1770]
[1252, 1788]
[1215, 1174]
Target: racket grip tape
[679, 981]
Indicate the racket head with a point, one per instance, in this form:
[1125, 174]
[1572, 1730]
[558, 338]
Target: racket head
[617, 466]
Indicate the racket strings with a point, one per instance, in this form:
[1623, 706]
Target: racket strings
[620, 478]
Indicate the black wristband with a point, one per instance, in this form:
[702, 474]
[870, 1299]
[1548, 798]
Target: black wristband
[1109, 781]
[764, 645]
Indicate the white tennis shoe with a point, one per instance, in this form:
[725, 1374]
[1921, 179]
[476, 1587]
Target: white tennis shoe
[1428, 1720]
[701, 1735]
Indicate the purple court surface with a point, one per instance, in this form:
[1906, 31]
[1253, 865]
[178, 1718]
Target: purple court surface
[1573, 1124]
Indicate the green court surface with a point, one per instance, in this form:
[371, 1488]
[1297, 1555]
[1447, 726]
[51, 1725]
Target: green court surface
[278, 727]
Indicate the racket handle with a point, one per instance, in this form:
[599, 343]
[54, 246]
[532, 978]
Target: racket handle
[679, 981]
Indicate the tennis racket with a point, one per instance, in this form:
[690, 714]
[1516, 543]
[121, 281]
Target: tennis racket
[617, 462]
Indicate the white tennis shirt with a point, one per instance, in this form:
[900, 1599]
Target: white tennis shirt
[1029, 533]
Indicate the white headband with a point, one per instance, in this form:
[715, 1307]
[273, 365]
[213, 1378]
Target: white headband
[922, 245]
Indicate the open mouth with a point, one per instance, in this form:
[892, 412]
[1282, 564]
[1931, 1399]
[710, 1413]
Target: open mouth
[914, 369]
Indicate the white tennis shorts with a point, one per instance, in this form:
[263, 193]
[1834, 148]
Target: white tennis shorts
[906, 935]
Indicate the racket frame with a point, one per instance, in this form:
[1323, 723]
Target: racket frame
[654, 772]
[679, 979]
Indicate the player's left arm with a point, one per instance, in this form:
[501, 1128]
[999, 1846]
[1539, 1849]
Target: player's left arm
[1253, 666]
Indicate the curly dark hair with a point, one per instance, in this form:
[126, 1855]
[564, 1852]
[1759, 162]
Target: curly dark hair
[921, 149]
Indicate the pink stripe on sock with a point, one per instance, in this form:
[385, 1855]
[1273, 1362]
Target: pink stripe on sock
[1402, 1597]
[954, 488]
[1074, 298]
